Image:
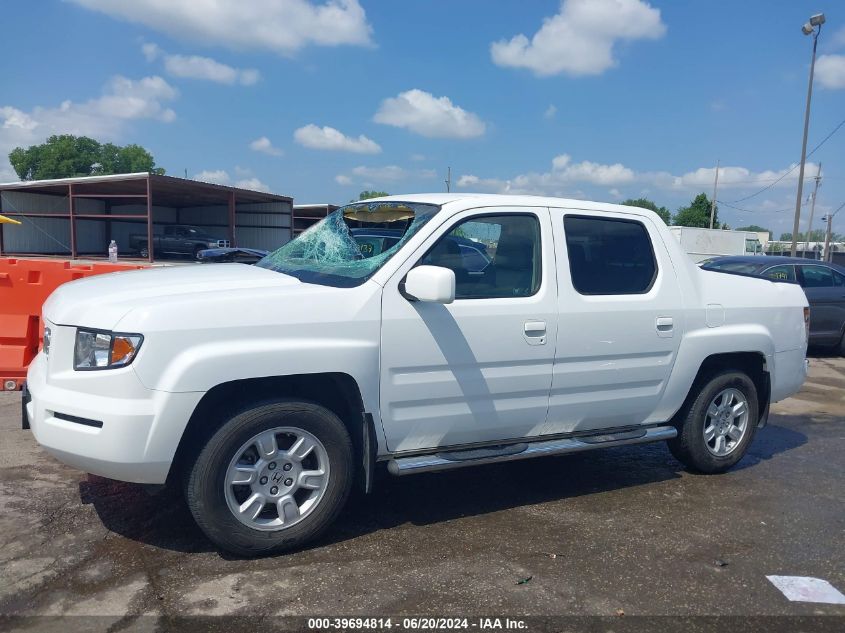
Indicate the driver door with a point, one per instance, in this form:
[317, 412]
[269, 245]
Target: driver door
[478, 369]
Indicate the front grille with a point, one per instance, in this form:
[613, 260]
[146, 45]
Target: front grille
[223, 243]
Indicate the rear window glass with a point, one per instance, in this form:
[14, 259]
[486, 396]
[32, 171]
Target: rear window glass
[609, 256]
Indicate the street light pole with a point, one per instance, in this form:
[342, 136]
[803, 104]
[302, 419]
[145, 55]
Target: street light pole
[813, 27]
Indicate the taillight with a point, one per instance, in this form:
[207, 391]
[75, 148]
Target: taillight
[807, 322]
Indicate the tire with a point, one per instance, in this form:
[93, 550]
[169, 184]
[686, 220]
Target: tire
[197, 250]
[842, 345]
[719, 390]
[214, 502]
[144, 252]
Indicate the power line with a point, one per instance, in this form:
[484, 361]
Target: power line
[794, 167]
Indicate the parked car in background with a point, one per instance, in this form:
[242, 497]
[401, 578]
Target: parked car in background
[823, 283]
[473, 254]
[231, 254]
[271, 390]
[176, 239]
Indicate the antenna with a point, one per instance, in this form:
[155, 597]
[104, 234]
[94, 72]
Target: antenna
[448, 179]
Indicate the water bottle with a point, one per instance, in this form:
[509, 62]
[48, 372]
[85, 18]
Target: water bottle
[113, 252]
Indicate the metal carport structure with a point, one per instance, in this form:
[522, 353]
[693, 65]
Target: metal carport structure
[91, 211]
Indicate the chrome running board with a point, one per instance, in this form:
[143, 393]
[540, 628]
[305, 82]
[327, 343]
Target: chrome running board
[470, 457]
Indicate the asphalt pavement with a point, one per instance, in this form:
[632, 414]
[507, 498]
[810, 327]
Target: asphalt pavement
[617, 531]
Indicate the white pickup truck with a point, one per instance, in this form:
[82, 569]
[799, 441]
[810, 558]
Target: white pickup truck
[455, 330]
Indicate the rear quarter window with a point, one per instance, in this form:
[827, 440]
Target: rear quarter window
[609, 256]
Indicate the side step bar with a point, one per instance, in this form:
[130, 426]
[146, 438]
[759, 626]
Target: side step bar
[511, 452]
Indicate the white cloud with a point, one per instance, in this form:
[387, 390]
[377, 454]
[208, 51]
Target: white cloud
[104, 118]
[282, 26]
[550, 112]
[196, 67]
[389, 173]
[253, 184]
[615, 194]
[580, 38]
[830, 70]
[733, 177]
[216, 176]
[222, 177]
[565, 176]
[417, 157]
[328, 138]
[369, 176]
[427, 115]
[263, 145]
[587, 171]
[151, 51]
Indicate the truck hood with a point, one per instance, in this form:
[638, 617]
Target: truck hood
[101, 301]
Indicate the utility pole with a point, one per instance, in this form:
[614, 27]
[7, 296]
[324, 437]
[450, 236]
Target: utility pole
[448, 179]
[827, 257]
[715, 191]
[813, 209]
[827, 254]
[808, 29]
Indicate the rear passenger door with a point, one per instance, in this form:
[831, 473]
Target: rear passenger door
[825, 290]
[620, 321]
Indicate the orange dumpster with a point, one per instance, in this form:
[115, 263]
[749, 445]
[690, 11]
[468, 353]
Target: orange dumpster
[24, 286]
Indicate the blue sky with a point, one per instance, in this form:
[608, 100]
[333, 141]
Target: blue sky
[600, 99]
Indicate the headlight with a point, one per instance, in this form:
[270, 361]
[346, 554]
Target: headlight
[47, 336]
[104, 350]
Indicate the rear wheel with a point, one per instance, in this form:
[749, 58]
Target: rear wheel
[718, 425]
[197, 250]
[272, 478]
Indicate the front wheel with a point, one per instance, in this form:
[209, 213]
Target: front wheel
[272, 478]
[716, 428]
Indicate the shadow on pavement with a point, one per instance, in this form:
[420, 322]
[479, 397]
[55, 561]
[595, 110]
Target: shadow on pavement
[163, 520]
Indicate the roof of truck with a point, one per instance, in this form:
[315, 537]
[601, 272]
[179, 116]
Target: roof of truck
[499, 199]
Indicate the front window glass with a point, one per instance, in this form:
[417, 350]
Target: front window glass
[348, 246]
[492, 256]
[817, 277]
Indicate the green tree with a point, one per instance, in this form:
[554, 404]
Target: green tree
[697, 214]
[645, 203]
[753, 227]
[368, 195]
[65, 156]
[816, 235]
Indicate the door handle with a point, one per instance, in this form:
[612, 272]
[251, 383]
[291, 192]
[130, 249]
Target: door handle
[535, 332]
[535, 328]
[664, 326]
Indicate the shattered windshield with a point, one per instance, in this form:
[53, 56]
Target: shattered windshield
[351, 244]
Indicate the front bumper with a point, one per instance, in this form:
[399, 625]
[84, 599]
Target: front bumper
[125, 438]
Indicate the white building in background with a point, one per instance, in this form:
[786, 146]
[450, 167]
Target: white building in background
[701, 244]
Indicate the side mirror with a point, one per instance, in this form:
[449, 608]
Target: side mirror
[431, 283]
